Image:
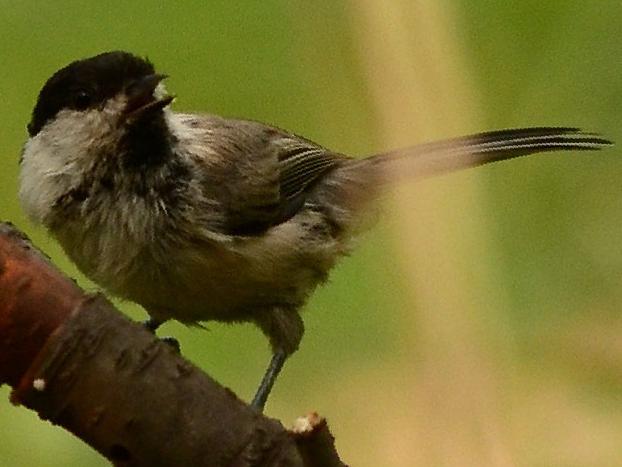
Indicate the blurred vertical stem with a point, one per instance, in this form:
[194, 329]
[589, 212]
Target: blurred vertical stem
[420, 88]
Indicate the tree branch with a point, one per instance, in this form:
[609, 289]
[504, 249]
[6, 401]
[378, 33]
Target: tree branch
[78, 362]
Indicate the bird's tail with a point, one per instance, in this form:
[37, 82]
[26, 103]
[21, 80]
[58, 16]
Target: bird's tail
[471, 151]
[351, 186]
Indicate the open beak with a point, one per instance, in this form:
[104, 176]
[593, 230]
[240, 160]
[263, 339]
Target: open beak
[142, 99]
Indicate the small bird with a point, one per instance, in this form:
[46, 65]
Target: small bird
[197, 217]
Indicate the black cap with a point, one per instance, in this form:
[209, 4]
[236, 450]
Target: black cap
[87, 83]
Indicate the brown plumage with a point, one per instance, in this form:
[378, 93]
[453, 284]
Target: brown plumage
[199, 217]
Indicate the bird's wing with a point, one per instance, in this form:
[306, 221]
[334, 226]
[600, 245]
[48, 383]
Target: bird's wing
[301, 164]
[264, 174]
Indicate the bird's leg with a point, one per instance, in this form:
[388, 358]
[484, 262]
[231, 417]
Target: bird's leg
[284, 329]
[153, 324]
[272, 372]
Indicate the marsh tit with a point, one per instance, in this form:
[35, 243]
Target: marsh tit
[197, 217]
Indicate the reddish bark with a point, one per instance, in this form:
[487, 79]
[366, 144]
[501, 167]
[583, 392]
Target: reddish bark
[82, 365]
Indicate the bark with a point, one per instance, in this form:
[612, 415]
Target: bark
[82, 365]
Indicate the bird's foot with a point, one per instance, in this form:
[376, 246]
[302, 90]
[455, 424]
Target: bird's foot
[174, 343]
[153, 324]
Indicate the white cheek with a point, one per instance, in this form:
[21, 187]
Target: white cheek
[39, 189]
[56, 159]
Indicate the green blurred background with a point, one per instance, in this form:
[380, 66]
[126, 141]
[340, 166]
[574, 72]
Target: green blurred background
[479, 323]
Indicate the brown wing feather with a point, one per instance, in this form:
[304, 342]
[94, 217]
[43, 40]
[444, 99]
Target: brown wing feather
[263, 175]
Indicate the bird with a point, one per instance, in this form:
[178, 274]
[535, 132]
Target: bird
[199, 217]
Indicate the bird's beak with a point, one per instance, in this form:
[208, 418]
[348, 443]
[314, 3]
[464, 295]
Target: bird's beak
[142, 98]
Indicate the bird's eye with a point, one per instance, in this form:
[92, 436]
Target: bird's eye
[82, 100]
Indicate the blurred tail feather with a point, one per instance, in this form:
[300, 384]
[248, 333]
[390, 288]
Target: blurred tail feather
[471, 151]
